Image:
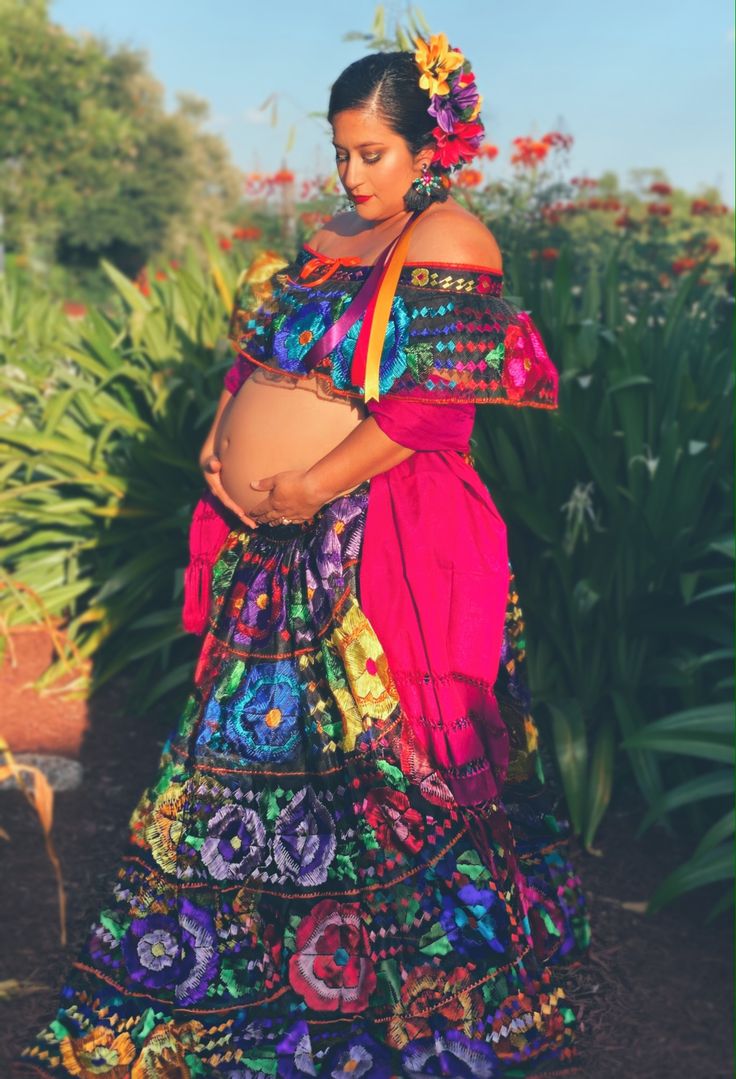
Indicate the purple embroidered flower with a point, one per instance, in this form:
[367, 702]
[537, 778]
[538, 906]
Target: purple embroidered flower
[235, 843]
[166, 951]
[263, 611]
[304, 842]
[295, 1052]
[448, 109]
[362, 1058]
[451, 1053]
[474, 921]
[298, 332]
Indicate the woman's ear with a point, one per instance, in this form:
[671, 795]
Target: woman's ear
[424, 157]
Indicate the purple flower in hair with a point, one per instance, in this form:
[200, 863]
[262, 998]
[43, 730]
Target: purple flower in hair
[447, 110]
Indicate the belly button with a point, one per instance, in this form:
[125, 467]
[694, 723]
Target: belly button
[225, 442]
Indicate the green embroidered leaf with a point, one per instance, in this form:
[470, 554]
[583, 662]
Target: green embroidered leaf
[420, 360]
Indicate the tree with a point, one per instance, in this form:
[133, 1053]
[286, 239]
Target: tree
[90, 163]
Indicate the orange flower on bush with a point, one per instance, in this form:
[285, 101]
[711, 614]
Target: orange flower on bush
[529, 151]
[160, 275]
[660, 188]
[247, 233]
[659, 209]
[487, 149]
[469, 178]
[224, 243]
[283, 176]
[682, 265]
[74, 310]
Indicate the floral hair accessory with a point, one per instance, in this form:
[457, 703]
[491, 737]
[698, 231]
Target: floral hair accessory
[454, 101]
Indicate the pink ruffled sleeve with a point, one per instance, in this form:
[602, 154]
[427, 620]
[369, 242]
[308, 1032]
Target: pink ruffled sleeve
[238, 373]
[424, 427]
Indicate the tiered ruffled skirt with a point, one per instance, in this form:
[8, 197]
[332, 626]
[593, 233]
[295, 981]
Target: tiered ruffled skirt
[288, 905]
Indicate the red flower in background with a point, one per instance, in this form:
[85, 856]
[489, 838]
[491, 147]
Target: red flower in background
[141, 282]
[74, 310]
[487, 149]
[247, 233]
[702, 207]
[556, 138]
[469, 178]
[160, 275]
[224, 243]
[659, 209]
[660, 188]
[682, 265]
[529, 151]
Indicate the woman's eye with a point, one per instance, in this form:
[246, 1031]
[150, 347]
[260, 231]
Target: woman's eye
[367, 160]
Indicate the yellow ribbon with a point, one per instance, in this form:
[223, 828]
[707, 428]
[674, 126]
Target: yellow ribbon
[382, 312]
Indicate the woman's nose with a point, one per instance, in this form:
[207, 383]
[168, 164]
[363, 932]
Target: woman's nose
[353, 173]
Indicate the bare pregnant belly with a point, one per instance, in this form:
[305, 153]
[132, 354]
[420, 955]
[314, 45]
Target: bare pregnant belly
[274, 424]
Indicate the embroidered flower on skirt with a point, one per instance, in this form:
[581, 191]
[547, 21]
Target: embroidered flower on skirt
[288, 904]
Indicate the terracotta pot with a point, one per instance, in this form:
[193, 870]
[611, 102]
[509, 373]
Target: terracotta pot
[32, 721]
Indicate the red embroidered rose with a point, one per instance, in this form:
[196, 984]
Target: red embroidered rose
[395, 823]
[332, 967]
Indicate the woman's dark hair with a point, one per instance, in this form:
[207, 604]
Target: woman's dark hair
[389, 83]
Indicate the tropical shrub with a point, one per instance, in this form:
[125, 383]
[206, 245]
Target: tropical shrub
[620, 512]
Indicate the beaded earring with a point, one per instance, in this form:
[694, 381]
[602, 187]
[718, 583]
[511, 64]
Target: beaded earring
[428, 183]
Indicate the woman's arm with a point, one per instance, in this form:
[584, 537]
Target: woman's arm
[297, 494]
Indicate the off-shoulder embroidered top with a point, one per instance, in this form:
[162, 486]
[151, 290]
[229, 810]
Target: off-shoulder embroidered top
[451, 335]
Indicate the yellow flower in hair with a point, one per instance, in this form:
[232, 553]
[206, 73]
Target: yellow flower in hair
[436, 61]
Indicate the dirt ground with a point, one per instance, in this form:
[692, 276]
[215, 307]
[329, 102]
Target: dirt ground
[654, 997]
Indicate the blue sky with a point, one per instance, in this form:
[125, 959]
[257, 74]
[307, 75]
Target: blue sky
[638, 83]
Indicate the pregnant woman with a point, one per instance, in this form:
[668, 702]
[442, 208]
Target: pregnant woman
[348, 862]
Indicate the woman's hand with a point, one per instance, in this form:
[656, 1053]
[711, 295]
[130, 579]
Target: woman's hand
[212, 466]
[292, 496]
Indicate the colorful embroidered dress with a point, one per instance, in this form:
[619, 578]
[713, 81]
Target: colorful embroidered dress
[302, 894]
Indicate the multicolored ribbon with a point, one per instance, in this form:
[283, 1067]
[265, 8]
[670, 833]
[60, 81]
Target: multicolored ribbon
[373, 301]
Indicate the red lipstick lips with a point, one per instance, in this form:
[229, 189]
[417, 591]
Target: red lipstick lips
[361, 198]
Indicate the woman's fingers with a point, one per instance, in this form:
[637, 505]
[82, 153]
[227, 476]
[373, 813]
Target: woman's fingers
[213, 482]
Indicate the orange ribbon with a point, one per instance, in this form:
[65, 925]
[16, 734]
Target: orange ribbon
[382, 311]
[314, 264]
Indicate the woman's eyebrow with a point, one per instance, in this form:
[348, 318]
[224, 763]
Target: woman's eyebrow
[360, 146]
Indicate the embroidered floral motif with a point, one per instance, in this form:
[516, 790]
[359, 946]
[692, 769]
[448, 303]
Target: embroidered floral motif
[290, 903]
[451, 337]
[331, 967]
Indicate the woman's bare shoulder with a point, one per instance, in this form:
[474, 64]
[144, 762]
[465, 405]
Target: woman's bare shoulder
[452, 234]
[334, 232]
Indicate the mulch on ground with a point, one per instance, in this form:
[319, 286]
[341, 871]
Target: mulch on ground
[654, 997]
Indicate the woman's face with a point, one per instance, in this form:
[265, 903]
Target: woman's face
[375, 165]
